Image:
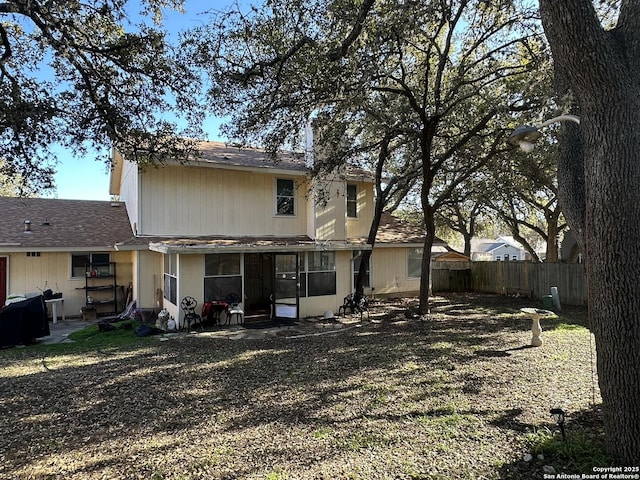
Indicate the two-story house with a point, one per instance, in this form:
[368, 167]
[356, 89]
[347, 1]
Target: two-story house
[234, 221]
[229, 221]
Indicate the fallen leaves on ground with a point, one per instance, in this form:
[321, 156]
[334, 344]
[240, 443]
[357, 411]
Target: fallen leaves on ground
[449, 395]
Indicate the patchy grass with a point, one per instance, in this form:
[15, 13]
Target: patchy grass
[457, 394]
[578, 452]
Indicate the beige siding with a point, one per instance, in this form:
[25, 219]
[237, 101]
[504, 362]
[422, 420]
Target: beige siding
[53, 270]
[359, 227]
[204, 201]
[147, 278]
[129, 192]
[344, 281]
[331, 218]
[191, 282]
[389, 272]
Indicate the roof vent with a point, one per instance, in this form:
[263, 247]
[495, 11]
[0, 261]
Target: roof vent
[27, 226]
[46, 222]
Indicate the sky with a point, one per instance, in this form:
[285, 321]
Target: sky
[88, 179]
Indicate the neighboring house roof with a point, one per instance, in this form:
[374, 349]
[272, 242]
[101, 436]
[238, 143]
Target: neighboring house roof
[449, 257]
[395, 230]
[62, 224]
[488, 246]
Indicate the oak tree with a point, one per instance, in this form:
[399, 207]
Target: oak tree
[600, 64]
[447, 69]
[87, 75]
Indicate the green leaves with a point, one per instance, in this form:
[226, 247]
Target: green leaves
[82, 75]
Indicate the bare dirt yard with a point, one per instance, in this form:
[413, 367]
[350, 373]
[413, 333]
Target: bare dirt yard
[456, 394]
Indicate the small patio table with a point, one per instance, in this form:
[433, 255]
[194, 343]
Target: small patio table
[213, 310]
[54, 308]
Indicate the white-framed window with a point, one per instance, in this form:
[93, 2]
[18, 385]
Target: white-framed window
[79, 262]
[414, 262]
[498, 258]
[171, 278]
[222, 276]
[321, 274]
[352, 200]
[285, 197]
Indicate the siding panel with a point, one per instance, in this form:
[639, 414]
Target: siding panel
[204, 201]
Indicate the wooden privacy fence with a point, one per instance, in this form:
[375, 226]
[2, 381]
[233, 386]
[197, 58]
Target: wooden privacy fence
[533, 280]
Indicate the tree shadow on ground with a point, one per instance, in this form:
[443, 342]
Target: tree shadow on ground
[577, 452]
[406, 374]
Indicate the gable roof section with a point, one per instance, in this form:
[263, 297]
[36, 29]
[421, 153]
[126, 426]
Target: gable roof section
[62, 224]
[487, 245]
[219, 153]
[394, 231]
[223, 155]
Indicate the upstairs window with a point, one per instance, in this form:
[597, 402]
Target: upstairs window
[285, 197]
[352, 201]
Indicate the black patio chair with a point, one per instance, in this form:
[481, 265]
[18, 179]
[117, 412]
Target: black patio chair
[188, 306]
[355, 303]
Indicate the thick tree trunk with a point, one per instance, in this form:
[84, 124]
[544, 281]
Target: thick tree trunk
[425, 276]
[571, 194]
[552, 235]
[602, 69]
[426, 142]
[467, 244]
[371, 240]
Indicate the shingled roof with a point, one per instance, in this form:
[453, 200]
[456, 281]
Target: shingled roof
[231, 155]
[393, 231]
[62, 224]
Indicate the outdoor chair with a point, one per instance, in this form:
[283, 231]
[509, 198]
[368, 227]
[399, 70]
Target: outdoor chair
[354, 303]
[235, 308]
[188, 306]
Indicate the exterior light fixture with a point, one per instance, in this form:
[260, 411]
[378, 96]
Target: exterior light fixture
[524, 135]
[558, 415]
